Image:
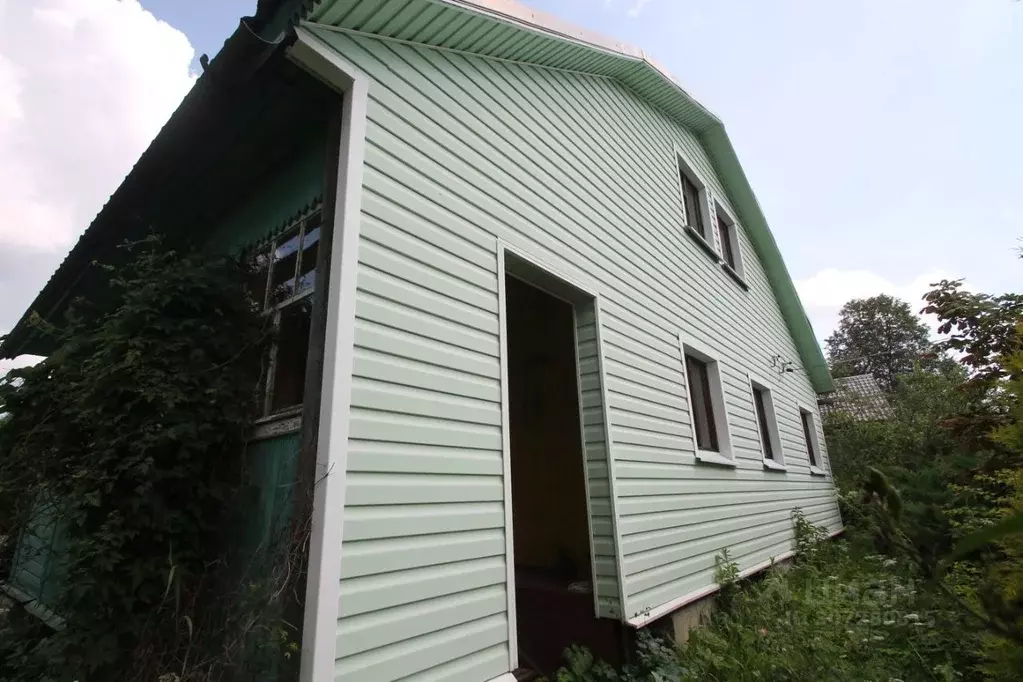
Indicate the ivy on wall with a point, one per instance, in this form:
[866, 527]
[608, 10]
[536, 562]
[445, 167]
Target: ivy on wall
[137, 425]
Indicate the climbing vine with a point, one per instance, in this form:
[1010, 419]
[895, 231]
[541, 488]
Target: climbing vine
[132, 434]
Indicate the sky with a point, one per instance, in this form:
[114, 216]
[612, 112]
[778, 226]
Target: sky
[883, 138]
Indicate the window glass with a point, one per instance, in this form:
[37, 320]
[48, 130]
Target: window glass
[725, 235]
[285, 262]
[307, 270]
[759, 400]
[292, 351]
[698, 376]
[808, 429]
[691, 199]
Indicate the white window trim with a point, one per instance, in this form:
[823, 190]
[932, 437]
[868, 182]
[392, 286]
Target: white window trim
[739, 271]
[815, 440]
[703, 233]
[726, 455]
[771, 415]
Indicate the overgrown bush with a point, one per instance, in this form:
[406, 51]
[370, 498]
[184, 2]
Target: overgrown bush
[842, 612]
[135, 428]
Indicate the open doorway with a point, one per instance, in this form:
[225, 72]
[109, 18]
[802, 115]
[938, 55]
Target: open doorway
[555, 605]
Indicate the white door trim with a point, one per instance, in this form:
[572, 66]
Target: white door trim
[319, 629]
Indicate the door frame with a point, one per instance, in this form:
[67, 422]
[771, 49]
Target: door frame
[555, 282]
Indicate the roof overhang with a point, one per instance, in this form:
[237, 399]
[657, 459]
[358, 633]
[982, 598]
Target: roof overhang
[501, 29]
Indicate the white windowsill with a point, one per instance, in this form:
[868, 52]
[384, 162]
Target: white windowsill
[735, 275]
[774, 466]
[709, 457]
[817, 471]
[702, 241]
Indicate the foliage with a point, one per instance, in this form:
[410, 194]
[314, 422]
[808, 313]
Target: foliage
[981, 329]
[929, 584]
[137, 425]
[840, 613]
[880, 336]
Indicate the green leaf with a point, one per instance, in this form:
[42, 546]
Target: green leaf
[974, 541]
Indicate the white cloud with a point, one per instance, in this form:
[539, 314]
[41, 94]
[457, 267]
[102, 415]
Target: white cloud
[637, 7]
[84, 87]
[824, 293]
[22, 361]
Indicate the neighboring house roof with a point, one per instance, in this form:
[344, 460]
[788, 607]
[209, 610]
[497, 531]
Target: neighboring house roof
[860, 397]
[505, 29]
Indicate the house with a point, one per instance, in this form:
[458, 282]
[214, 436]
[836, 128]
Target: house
[859, 397]
[545, 302]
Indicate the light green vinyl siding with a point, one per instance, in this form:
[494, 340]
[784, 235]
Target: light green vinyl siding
[579, 173]
[598, 473]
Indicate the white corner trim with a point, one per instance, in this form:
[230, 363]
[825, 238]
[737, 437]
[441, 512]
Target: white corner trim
[509, 538]
[609, 445]
[650, 615]
[319, 633]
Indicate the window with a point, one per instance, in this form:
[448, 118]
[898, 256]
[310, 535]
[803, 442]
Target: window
[706, 405]
[691, 201]
[702, 407]
[767, 425]
[286, 274]
[813, 446]
[695, 206]
[725, 236]
[728, 239]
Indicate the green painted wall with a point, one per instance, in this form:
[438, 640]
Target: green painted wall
[293, 187]
[271, 463]
[580, 173]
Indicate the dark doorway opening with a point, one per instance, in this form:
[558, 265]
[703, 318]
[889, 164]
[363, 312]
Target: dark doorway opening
[553, 569]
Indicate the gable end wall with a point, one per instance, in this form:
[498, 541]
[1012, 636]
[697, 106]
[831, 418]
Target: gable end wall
[579, 173]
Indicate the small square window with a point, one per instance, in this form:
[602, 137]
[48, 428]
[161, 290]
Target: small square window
[767, 425]
[813, 446]
[706, 406]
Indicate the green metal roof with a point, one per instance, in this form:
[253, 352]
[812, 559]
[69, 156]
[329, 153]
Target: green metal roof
[500, 29]
[503, 29]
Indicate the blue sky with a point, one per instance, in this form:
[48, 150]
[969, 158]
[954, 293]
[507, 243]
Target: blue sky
[883, 138]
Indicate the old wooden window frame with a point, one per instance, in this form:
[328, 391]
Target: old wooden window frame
[300, 227]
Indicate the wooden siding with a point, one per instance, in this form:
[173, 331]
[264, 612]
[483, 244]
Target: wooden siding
[36, 572]
[577, 172]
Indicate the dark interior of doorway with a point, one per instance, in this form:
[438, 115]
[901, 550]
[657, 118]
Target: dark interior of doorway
[554, 597]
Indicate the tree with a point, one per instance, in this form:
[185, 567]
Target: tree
[880, 336]
[981, 329]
